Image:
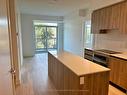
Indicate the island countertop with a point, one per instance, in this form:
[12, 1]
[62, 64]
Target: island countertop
[77, 64]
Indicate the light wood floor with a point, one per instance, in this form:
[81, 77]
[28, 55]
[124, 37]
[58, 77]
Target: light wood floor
[35, 80]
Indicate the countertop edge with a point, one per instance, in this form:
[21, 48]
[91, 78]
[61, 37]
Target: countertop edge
[115, 56]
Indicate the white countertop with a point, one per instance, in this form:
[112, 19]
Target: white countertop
[122, 55]
[78, 65]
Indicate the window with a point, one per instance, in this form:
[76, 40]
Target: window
[45, 36]
[88, 35]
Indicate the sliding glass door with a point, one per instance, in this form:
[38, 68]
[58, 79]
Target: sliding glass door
[46, 38]
[51, 37]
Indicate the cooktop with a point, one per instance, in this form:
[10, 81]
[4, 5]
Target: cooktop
[108, 51]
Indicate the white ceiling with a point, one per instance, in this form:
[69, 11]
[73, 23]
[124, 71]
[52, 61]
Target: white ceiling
[50, 7]
[59, 7]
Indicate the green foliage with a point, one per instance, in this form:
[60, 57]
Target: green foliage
[43, 34]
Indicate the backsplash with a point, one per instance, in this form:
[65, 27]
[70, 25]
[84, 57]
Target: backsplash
[113, 40]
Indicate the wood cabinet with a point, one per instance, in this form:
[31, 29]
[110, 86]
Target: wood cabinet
[114, 65]
[110, 18]
[123, 18]
[67, 82]
[101, 20]
[115, 16]
[95, 22]
[106, 19]
[118, 73]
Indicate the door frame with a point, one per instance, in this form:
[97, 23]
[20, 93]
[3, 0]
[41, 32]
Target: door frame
[11, 15]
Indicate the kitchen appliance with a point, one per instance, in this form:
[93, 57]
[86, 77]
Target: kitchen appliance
[102, 56]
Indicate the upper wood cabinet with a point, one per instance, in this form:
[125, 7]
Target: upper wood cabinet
[115, 16]
[111, 17]
[101, 20]
[123, 18]
[95, 22]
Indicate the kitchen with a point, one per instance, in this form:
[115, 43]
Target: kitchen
[108, 48]
[74, 69]
[110, 42]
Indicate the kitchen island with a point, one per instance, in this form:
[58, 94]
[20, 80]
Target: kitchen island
[74, 75]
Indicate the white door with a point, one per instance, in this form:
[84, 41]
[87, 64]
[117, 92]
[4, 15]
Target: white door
[6, 77]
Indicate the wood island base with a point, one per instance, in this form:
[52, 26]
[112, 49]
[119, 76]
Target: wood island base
[68, 82]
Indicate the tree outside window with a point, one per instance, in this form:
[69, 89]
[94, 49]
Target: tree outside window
[45, 36]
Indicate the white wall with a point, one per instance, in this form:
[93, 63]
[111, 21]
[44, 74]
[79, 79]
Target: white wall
[73, 37]
[74, 24]
[19, 42]
[60, 36]
[20, 51]
[28, 31]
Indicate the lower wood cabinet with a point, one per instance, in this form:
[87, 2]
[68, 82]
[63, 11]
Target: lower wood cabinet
[118, 73]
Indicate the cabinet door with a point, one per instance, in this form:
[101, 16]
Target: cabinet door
[95, 22]
[101, 17]
[123, 18]
[115, 16]
[118, 73]
[107, 18]
[123, 74]
[114, 65]
[104, 16]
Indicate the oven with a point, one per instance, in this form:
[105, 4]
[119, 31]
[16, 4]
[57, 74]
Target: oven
[102, 56]
[100, 59]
